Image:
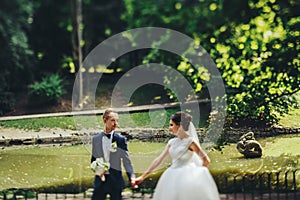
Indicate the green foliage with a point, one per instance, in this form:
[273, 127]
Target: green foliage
[255, 45]
[260, 63]
[6, 102]
[49, 90]
[292, 119]
[49, 35]
[16, 57]
[35, 40]
[13, 192]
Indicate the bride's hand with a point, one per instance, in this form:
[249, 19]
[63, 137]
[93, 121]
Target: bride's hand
[206, 161]
[139, 180]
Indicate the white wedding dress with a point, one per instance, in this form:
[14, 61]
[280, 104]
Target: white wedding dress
[186, 178]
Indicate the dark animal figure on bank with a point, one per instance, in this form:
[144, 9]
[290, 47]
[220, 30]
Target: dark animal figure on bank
[249, 147]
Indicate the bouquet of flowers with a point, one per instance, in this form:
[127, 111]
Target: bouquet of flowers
[113, 147]
[99, 166]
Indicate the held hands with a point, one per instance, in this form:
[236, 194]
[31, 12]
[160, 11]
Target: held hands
[139, 180]
[133, 183]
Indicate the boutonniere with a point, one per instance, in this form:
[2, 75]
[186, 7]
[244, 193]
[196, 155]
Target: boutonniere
[113, 147]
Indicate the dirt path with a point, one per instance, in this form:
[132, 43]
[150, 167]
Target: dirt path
[14, 133]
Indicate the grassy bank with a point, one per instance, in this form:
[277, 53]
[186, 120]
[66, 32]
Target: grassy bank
[151, 119]
[293, 118]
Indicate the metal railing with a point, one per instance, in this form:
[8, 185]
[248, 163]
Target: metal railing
[273, 181]
[267, 185]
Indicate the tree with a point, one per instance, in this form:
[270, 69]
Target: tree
[16, 57]
[50, 36]
[77, 42]
[260, 61]
[254, 44]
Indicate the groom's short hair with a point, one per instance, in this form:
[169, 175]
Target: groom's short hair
[107, 112]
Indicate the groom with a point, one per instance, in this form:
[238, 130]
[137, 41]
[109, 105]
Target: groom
[102, 147]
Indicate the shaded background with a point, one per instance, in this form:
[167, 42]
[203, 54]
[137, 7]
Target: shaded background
[255, 45]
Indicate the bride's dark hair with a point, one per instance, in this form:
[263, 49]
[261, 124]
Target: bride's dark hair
[182, 118]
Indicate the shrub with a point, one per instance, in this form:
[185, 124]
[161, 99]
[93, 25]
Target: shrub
[49, 90]
[7, 102]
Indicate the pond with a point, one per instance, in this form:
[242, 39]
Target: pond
[66, 168]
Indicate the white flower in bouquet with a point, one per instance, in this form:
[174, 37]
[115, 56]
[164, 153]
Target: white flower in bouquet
[99, 166]
[113, 147]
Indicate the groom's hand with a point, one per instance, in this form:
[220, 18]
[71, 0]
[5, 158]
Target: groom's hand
[133, 183]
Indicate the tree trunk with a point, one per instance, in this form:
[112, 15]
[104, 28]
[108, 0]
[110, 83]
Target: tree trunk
[77, 49]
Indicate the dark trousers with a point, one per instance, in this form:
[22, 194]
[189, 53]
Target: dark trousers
[101, 189]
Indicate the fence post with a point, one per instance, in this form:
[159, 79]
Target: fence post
[294, 183]
[269, 184]
[243, 186]
[294, 180]
[234, 185]
[286, 180]
[277, 183]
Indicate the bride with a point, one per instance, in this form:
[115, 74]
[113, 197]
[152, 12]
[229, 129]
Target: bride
[188, 176]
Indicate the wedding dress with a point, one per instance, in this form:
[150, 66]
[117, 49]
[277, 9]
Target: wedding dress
[186, 178]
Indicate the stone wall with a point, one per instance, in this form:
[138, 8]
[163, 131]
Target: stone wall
[149, 135]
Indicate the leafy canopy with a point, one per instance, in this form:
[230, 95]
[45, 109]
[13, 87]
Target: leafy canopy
[255, 45]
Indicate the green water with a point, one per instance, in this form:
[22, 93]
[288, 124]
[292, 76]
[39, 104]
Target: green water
[279, 154]
[68, 166]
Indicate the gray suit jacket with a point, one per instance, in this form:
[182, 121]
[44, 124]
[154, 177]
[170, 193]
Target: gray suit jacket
[115, 172]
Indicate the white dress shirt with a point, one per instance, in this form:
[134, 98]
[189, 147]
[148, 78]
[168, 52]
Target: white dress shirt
[106, 145]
